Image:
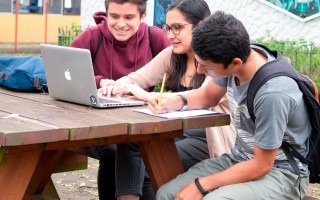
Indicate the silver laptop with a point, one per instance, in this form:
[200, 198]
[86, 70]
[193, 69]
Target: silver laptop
[70, 77]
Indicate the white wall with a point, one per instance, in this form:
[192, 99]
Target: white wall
[259, 19]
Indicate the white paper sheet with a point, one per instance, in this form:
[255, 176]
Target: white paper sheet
[177, 114]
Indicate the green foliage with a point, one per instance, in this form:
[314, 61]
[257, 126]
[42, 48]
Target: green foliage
[157, 87]
[66, 35]
[75, 29]
[305, 56]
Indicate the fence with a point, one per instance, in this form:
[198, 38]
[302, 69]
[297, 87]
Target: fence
[307, 63]
[305, 56]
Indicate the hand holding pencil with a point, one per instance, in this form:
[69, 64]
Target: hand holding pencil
[154, 103]
[162, 88]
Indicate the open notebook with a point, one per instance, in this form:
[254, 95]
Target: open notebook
[70, 77]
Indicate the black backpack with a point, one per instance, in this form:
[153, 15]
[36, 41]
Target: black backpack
[281, 67]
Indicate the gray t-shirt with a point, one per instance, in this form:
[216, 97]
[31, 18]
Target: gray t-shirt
[280, 113]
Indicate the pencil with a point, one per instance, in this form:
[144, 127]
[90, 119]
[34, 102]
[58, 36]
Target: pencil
[162, 88]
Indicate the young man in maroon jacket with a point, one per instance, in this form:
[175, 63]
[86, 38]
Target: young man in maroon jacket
[120, 43]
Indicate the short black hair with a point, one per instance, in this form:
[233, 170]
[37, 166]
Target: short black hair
[221, 38]
[142, 4]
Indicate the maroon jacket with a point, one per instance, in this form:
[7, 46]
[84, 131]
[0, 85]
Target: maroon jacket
[115, 59]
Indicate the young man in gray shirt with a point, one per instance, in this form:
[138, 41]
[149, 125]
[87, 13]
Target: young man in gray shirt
[257, 168]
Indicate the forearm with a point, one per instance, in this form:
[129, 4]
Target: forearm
[198, 99]
[151, 73]
[239, 173]
[139, 79]
[260, 165]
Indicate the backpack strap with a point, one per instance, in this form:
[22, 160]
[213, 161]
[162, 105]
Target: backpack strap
[316, 91]
[266, 72]
[289, 152]
[152, 51]
[150, 42]
[98, 47]
[3, 76]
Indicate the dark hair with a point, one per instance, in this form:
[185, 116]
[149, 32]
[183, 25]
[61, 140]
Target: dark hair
[221, 38]
[142, 4]
[194, 11]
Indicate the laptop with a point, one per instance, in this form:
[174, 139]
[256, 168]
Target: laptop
[70, 77]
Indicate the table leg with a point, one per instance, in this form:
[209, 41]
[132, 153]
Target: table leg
[42, 174]
[41, 185]
[49, 193]
[16, 170]
[161, 159]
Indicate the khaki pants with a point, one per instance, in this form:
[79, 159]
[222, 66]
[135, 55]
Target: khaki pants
[278, 184]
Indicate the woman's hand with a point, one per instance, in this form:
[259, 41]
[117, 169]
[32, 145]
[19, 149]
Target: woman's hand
[168, 103]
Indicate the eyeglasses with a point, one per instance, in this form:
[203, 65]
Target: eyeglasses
[175, 28]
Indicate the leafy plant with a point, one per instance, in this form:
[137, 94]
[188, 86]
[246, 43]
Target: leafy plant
[66, 35]
[304, 55]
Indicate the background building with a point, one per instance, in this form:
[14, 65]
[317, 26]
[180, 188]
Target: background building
[32, 24]
[281, 19]
[285, 19]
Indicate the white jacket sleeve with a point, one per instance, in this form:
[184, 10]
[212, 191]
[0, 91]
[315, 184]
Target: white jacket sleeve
[152, 73]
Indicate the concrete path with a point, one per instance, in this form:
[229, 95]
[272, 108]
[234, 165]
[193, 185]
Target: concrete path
[6, 48]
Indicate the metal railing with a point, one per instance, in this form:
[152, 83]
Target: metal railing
[307, 63]
[304, 56]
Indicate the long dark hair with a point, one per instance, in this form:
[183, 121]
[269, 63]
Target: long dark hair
[194, 11]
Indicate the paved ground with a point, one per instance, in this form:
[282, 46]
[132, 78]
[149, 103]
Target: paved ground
[79, 185]
[9, 48]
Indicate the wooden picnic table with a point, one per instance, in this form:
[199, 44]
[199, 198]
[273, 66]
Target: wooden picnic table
[36, 131]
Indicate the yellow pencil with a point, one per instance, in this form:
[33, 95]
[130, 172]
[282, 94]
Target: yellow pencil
[162, 88]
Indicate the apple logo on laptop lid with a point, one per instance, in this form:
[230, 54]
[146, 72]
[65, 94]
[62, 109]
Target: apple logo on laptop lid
[67, 74]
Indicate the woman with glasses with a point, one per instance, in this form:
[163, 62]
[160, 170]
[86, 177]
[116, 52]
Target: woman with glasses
[177, 62]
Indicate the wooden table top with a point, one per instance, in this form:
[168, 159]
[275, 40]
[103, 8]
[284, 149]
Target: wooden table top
[34, 118]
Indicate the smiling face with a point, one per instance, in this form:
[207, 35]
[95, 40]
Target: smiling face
[124, 20]
[180, 42]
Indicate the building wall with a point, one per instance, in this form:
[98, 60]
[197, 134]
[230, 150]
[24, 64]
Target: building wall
[259, 18]
[88, 7]
[31, 27]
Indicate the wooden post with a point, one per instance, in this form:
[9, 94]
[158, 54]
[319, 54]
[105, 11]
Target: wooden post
[46, 5]
[16, 28]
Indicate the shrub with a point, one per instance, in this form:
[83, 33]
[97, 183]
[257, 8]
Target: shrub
[66, 35]
[305, 56]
